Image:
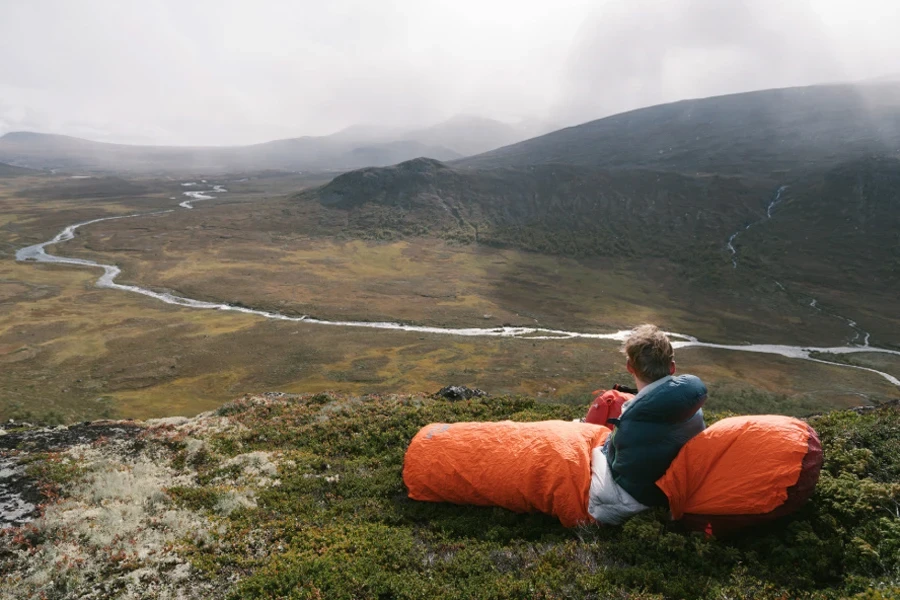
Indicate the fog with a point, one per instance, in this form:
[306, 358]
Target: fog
[214, 72]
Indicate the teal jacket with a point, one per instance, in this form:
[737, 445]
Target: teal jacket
[651, 431]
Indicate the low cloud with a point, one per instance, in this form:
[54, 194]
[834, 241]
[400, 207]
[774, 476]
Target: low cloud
[209, 72]
[647, 52]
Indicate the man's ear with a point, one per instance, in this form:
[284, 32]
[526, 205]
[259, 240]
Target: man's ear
[672, 368]
[630, 367]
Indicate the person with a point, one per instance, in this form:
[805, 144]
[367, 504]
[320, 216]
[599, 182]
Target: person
[665, 413]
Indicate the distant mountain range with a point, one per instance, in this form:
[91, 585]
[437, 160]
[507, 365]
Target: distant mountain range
[351, 148]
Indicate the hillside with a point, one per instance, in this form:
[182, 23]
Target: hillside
[823, 225]
[758, 133]
[833, 228]
[558, 209]
[301, 496]
[829, 236]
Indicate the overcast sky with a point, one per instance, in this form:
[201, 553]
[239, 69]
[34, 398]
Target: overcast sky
[220, 72]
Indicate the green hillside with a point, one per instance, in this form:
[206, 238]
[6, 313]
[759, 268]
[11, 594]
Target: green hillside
[835, 227]
[557, 209]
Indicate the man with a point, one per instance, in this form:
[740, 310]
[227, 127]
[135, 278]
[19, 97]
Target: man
[653, 426]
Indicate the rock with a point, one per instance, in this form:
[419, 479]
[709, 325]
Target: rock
[460, 392]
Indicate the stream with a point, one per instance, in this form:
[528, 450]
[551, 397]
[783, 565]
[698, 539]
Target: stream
[37, 253]
[772, 204]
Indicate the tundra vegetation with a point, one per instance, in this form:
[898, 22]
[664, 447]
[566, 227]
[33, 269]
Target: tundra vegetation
[301, 496]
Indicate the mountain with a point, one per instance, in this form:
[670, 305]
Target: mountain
[756, 133]
[341, 152]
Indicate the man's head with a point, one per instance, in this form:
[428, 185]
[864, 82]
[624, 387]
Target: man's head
[650, 354]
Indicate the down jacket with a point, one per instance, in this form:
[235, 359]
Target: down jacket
[653, 428]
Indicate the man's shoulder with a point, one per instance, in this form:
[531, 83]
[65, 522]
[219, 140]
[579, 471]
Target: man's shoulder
[689, 383]
[672, 398]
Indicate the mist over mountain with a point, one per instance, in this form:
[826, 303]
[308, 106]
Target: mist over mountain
[222, 209]
[756, 133]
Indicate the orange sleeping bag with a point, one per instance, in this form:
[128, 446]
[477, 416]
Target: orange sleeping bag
[739, 471]
[524, 467]
[743, 470]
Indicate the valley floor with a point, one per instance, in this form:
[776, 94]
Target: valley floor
[74, 351]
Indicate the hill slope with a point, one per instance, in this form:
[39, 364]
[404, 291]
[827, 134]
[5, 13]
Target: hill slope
[552, 208]
[751, 133]
[837, 234]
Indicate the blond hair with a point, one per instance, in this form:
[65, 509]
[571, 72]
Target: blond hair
[649, 352]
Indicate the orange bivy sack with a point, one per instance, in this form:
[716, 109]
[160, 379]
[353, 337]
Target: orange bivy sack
[739, 471]
[743, 470]
[524, 467]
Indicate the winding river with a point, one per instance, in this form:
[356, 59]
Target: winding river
[37, 253]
